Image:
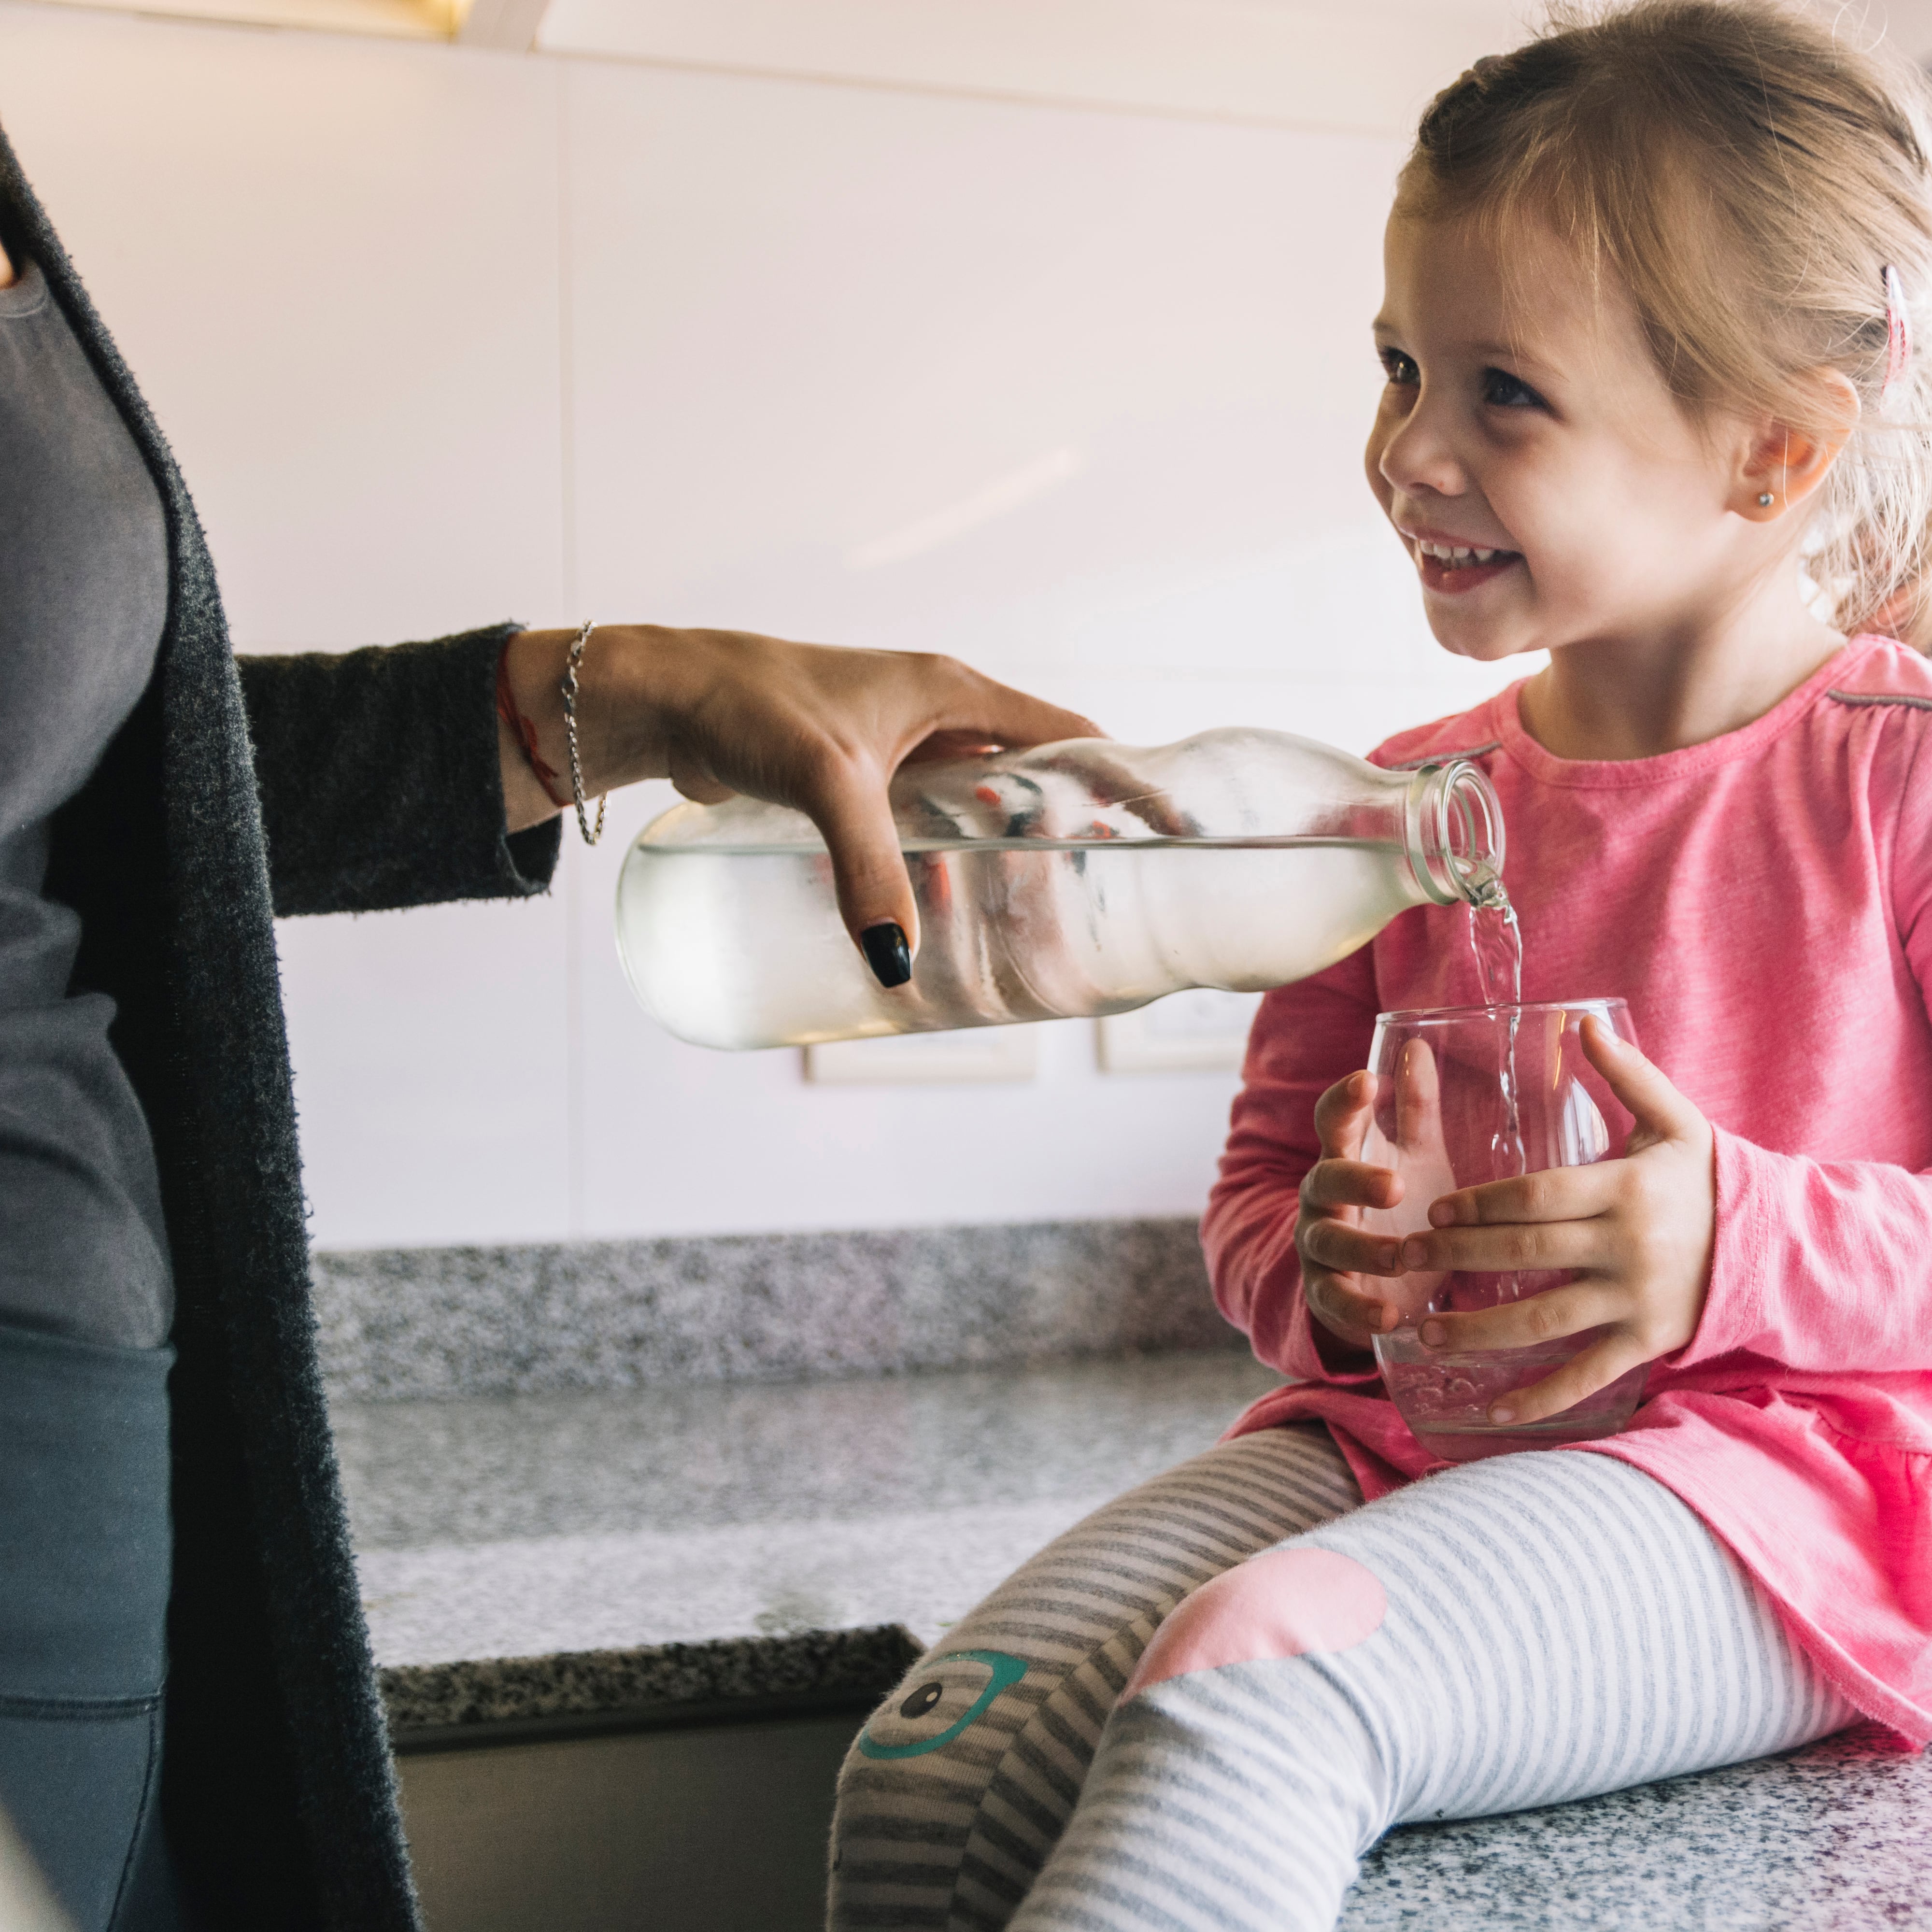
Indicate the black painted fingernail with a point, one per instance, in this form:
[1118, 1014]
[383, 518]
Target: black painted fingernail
[887, 953]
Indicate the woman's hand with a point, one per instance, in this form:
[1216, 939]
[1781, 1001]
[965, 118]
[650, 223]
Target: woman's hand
[1637, 1232]
[806, 725]
[1339, 1258]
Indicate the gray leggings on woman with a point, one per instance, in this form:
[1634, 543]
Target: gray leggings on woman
[85, 1557]
[1533, 1628]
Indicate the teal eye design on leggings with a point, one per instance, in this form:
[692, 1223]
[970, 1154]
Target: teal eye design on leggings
[953, 1692]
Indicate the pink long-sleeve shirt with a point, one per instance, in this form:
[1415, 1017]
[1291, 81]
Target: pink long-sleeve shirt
[1764, 902]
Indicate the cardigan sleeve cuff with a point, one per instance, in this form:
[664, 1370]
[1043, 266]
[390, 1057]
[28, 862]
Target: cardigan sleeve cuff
[381, 778]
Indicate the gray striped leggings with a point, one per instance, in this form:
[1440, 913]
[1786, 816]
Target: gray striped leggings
[1199, 1707]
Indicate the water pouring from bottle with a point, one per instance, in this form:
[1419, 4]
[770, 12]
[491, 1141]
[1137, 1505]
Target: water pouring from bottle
[1495, 937]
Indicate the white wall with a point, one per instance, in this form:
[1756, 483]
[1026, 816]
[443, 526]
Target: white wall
[443, 336]
[1355, 65]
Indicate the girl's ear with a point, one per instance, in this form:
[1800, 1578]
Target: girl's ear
[1782, 464]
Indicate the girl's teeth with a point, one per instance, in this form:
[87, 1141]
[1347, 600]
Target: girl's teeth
[1456, 555]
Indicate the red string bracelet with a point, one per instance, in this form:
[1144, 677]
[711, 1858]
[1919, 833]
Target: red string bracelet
[526, 732]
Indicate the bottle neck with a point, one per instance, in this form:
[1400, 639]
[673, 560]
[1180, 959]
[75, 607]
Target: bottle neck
[1454, 829]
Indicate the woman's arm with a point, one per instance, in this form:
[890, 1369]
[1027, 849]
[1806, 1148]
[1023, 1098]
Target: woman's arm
[388, 779]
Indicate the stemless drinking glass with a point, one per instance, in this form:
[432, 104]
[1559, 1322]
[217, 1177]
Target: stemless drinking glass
[1464, 1095]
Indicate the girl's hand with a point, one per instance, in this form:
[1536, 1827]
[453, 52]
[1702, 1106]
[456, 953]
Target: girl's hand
[1339, 1258]
[1637, 1231]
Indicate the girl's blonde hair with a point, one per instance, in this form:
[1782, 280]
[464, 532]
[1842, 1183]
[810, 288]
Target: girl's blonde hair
[1748, 174]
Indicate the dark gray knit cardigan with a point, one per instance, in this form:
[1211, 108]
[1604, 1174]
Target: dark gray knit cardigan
[379, 786]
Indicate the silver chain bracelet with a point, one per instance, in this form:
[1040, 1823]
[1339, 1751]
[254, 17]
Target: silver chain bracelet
[576, 658]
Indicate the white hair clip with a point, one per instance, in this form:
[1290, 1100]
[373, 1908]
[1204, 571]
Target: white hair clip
[1898, 333]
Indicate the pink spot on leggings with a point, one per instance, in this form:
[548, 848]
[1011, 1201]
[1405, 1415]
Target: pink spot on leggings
[1285, 1603]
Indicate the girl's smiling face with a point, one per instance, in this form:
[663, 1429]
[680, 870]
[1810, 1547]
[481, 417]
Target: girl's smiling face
[1548, 486]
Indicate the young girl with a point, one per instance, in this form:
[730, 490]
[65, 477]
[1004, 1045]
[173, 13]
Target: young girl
[1651, 406]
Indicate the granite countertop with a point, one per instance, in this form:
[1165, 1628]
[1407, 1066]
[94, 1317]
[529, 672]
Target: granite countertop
[530, 1558]
[1832, 1838]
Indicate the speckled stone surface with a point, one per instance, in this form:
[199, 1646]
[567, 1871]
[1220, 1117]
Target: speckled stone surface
[424, 1475]
[404, 1323]
[576, 1684]
[757, 1519]
[919, 1568]
[541, 1557]
[1834, 1838]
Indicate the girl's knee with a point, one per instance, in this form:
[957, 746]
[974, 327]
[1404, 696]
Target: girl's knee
[1297, 1602]
[956, 1791]
[1263, 1693]
[912, 1786]
[944, 1698]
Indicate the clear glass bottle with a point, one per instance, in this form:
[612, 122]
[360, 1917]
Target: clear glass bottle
[1081, 878]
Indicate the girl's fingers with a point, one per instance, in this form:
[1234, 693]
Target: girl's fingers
[1555, 1194]
[1555, 1312]
[1342, 1115]
[1336, 1183]
[1596, 1368]
[1418, 1098]
[1519, 1248]
[1344, 1249]
[1661, 1113]
[1337, 1306]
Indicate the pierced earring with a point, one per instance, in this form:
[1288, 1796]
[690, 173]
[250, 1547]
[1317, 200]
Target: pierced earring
[1764, 502]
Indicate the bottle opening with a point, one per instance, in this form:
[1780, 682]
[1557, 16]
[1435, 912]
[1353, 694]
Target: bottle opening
[1455, 826]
